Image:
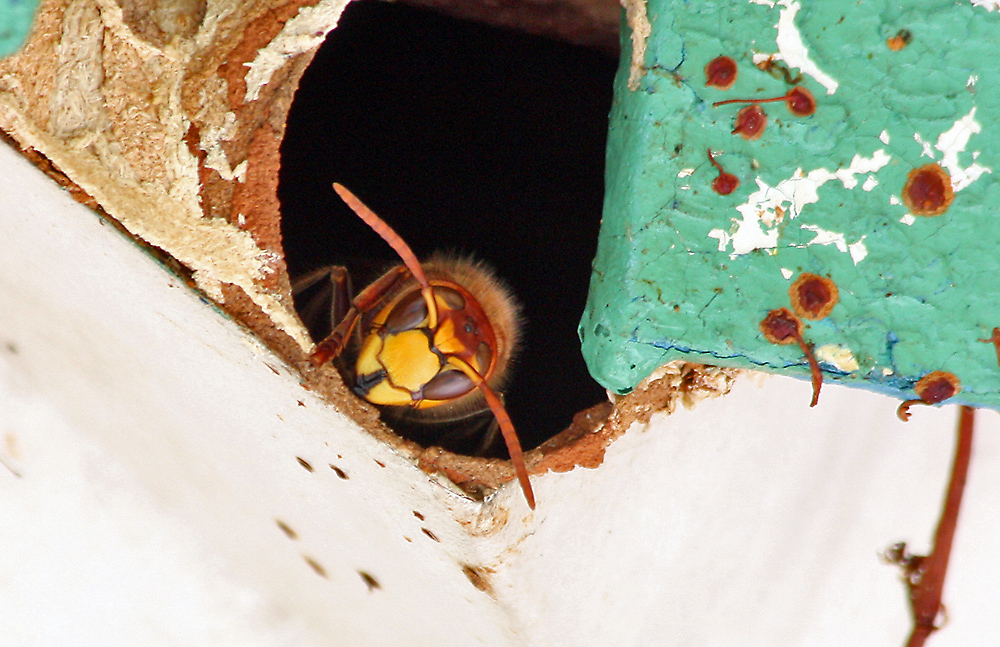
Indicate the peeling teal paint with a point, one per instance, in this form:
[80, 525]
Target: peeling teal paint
[16, 17]
[685, 273]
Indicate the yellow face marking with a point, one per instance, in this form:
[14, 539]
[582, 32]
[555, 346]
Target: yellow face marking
[445, 339]
[408, 359]
[367, 362]
[385, 393]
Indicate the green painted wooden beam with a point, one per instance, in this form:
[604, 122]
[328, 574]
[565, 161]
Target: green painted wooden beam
[684, 272]
[15, 23]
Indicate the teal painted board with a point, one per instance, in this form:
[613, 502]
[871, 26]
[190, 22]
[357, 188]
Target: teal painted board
[15, 23]
[889, 190]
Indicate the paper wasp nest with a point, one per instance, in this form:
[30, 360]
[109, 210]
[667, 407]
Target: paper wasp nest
[170, 115]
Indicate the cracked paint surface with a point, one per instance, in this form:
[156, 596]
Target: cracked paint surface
[685, 273]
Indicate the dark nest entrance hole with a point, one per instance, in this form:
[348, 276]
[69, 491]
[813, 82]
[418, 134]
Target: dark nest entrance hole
[464, 138]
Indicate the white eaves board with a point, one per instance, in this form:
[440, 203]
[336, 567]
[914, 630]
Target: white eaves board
[753, 520]
[149, 447]
[118, 378]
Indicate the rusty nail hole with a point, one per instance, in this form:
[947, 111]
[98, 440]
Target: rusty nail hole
[369, 581]
[721, 73]
[724, 183]
[781, 326]
[928, 191]
[285, 528]
[800, 102]
[339, 472]
[430, 534]
[750, 123]
[813, 297]
[315, 566]
[932, 388]
[304, 463]
[900, 40]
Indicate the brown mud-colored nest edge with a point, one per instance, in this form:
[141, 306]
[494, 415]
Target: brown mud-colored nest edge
[168, 118]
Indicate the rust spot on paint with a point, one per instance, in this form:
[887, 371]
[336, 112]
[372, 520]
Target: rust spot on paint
[480, 577]
[932, 388]
[370, 581]
[430, 534]
[995, 340]
[724, 183]
[379, 463]
[418, 515]
[813, 297]
[928, 191]
[315, 566]
[777, 69]
[721, 73]
[900, 40]
[339, 472]
[304, 463]
[750, 123]
[937, 387]
[285, 528]
[781, 326]
[799, 101]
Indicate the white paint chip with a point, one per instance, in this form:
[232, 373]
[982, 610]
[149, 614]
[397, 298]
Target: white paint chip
[749, 234]
[787, 273]
[857, 250]
[954, 141]
[884, 137]
[928, 150]
[839, 356]
[988, 5]
[858, 165]
[793, 50]
[949, 144]
[766, 208]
